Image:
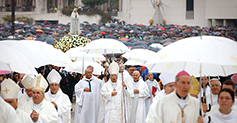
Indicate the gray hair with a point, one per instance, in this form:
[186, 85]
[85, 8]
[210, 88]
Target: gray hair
[91, 67]
[215, 79]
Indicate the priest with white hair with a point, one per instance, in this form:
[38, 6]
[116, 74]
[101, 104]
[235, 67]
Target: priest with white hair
[39, 109]
[60, 100]
[113, 93]
[9, 92]
[26, 97]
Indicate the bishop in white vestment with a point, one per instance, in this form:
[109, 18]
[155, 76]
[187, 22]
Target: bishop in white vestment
[60, 100]
[113, 94]
[168, 81]
[88, 98]
[27, 96]
[10, 96]
[39, 109]
[7, 113]
[178, 106]
[138, 91]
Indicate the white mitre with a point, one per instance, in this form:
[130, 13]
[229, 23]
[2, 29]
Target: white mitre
[9, 89]
[27, 80]
[39, 83]
[167, 78]
[54, 77]
[113, 68]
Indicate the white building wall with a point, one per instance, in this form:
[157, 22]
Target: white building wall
[221, 9]
[53, 17]
[174, 11]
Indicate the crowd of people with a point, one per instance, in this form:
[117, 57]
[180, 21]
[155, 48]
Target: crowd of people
[120, 94]
[144, 34]
[117, 95]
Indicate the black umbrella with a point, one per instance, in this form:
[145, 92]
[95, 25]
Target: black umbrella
[153, 49]
[138, 47]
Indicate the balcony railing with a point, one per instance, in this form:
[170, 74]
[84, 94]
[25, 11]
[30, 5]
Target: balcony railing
[18, 9]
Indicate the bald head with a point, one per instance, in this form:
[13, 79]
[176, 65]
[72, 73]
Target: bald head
[88, 73]
[136, 75]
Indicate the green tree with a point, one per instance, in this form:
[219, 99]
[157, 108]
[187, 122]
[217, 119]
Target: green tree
[92, 3]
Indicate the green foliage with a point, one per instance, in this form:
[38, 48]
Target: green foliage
[67, 11]
[8, 18]
[116, 5]
[72, 4]
[92, 3]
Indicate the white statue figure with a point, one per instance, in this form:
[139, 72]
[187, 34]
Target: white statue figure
[75, 25]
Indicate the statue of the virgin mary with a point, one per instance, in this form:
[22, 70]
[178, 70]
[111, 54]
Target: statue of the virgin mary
[75, 25]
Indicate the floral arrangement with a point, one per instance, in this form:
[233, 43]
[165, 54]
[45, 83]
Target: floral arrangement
[65, 43]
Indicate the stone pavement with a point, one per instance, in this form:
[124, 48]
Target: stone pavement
[73, 112]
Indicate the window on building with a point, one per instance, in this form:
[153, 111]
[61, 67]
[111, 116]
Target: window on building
[189, 5]
[189, 9]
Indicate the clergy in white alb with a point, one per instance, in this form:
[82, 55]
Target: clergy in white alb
[207, 89]
[129, 78]
[138, 91]
[7, 113]
[123, 74]
[168, 81]
[39, 109]
[60, 100]
[231, 85]
[10, 96]
[215, 86]
[153, 88]
[27, 96]
[224, 114]
[88, 98]
[113, 94]
[178, 106]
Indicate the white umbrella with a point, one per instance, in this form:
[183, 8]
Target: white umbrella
[157, 45]
[39, 53]
[138, 56]
[206, 55]
[77, 55]
[105, 46]
[79, 68]
[13, 60]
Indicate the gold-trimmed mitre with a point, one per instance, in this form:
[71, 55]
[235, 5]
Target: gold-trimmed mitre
[195, 86]
[39, 83]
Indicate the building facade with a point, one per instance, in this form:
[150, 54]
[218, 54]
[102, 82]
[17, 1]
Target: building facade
[42, 10]
[183, 12]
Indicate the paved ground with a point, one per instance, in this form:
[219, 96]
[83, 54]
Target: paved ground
[73, 112]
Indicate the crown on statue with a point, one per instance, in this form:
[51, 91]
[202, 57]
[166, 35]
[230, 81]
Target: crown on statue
[76, 6]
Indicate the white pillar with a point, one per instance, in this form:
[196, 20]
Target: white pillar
[1, 2]
[120, 5]
[39, 6]
[224, 22]
[45, 6]
[66, 3]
